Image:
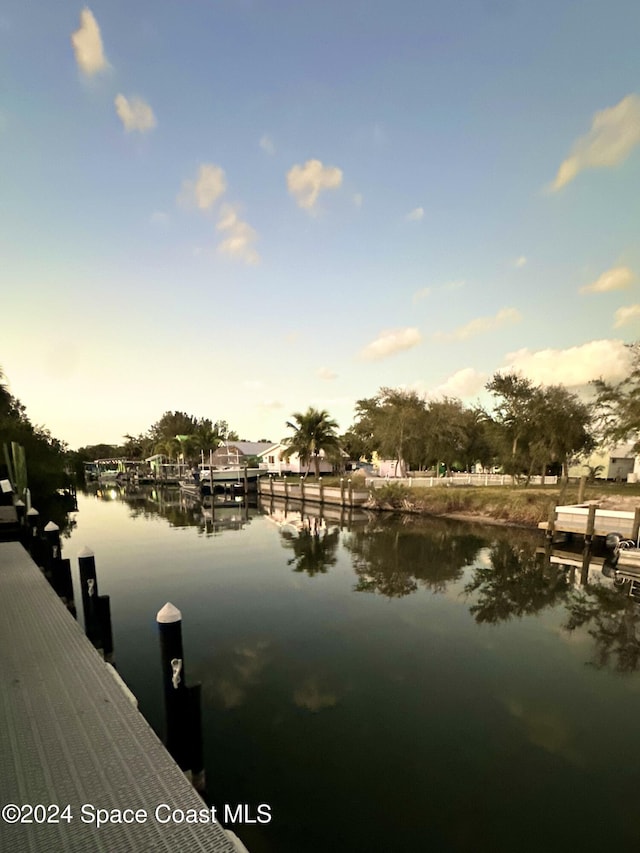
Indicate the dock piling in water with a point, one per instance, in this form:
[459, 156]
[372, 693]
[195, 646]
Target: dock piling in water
[183, 726]
[97, 608]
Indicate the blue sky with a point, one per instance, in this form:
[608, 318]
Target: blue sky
[241, 208]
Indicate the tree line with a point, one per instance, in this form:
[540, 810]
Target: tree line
[529, 429]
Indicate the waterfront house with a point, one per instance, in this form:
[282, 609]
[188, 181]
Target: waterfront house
[234, 453]
[618, 463]
[275, 464]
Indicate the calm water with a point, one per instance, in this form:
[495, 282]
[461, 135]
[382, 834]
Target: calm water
[384, 684]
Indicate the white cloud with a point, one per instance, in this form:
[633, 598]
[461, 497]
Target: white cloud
[357, 199]
[87, 45]
[206, 189]
[415, 215]
[614, 132]
[135, 114]
[159, 217]
[574, 366]
[464, 383]
[325, 373]
[626, 314]
[305, 183]
[239, 236]
[421, 294]
[504, 317]
[520, 262]
[617, 278]
[267, 144]
[389, 342]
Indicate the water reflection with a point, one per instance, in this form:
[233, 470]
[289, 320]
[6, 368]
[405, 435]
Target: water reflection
[393, 556]
[515, 582]
[502, 574]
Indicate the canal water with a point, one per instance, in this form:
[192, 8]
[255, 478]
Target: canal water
[382, 683]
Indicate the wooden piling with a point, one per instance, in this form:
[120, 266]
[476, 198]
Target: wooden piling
[341, 491]
[196, 748]
[176, 698]
[591, 523]
[581, 488]
[635, 529]
[52, 538]
[321, 490]
[350, 491]
[551, 522]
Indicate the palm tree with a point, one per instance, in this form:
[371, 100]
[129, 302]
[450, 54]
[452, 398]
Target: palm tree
[314, 433]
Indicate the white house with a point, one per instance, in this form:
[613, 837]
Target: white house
[275, 464]
[617, 463]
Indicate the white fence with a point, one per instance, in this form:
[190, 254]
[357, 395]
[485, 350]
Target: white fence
[456, 480]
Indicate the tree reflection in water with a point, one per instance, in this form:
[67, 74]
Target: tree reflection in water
[515, 583]
[395, 555]
[314, 546]
[612, 620]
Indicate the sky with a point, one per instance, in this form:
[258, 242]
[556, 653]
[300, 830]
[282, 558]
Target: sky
[240, 208]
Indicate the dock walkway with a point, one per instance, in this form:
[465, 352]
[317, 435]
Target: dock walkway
[70, 735]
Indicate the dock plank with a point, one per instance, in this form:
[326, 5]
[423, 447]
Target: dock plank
[70, 735]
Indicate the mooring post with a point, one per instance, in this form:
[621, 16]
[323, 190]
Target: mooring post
[635, 528]
[286, 488]
[196, 750]
[551, 521]
[32, 523]
[176, 697]
[52, 538]
[591, 523]
[586, 559]
[271, 484]
[350, 491]
[341, 491]
[581, 488]
[20, 511]
[321, 490]
[89, 592]
[246, 480]
[103, 606]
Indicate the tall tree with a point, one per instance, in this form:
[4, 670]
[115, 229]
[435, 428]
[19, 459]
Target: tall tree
[314, 432]
[618, 406]
[393, 424]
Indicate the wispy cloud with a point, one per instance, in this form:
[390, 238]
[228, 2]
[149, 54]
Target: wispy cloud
[239, 236]
[574, 366]
[617, 278]
[267, 144]
[305, 183]
[159, 217]
[206, 189]
[415, 215]
[504, 317]
[626, 314]
[87, 45]
[614, 133]
[421, 294]
[135, 114]
[325, 373]
[520, 262]
[390, 342]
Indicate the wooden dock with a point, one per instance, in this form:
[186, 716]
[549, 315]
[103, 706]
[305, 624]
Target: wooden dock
[71, 736]
[590, 521]
[347, 494]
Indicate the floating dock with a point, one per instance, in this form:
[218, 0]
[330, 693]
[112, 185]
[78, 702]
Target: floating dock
[70, 735]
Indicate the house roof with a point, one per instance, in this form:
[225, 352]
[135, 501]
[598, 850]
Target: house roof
[248, 448]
